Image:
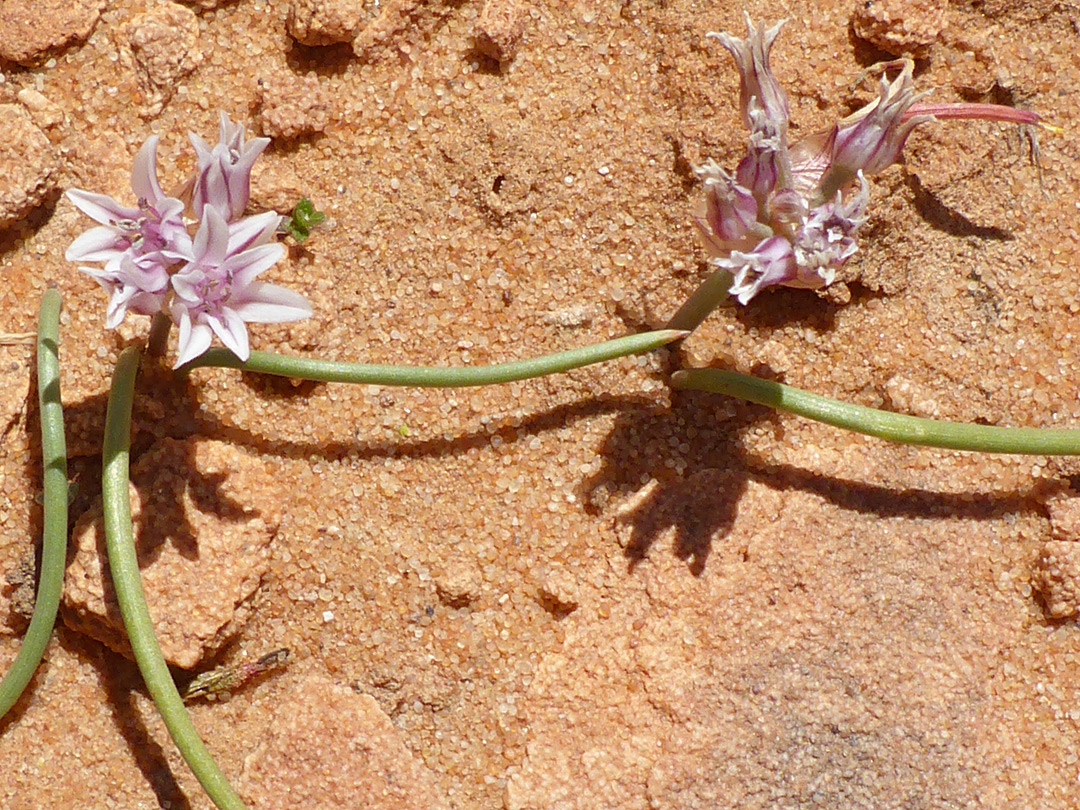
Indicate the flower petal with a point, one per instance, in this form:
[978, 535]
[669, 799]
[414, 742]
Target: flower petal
[244, 267]
[144, 181]
[268, 303]
[101, 207]
[230, 328]
[757, 80]
[195, 338]
[97, 245]
[252, 231]
[238, 174]
[729, 211]
[211, 244]
[770, 264]
[872, 139]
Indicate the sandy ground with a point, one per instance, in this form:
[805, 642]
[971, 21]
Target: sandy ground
[588, 591]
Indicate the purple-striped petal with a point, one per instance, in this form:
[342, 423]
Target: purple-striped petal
[269, 303]
[144, 181]
[231, 331]
[195, 338]
[101, 207]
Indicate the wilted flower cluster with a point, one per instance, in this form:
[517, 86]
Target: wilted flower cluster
[789, 216]
[195, 255]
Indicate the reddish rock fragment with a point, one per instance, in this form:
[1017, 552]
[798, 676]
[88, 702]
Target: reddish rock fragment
[44, 112]
[291, 106]
[323, 22]
[400, 26]
[558, 591]
[275, 187]
[1057, 578]
[500, 28]
[1064, 511]
[18, 570]
[204, 515]
[27, 164]
[330, 747]
[459, 584]
[30, 28]
[899, 27]
[162, 47]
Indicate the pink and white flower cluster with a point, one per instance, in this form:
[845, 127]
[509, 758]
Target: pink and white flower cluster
[789, 216]
[195, 258]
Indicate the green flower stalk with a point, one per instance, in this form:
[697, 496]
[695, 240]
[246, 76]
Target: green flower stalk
[55, 500]
[893, 427]
[124, 565]
[434, 376]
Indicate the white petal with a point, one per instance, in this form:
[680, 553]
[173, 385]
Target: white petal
[186, 285]
[249, 264]
[230, 328]
[144, 303]
[144, 180]
[253, 231]
[170, 208]
[238, 174]
[103, 277]
[101, 207]
[202, 148]
[230, 134]
[269, 303]
[212, 239]
[212, 189]
[96, 245]
[180, 247]
[194, 338]
[117, 308]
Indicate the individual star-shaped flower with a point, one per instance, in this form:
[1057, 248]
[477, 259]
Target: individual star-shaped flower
[216, 292]
[138, 245]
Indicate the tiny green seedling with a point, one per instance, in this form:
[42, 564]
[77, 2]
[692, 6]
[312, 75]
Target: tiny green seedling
[302, 220]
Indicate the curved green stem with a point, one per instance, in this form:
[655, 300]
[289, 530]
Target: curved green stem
[712, 292]
[54, 544]
[893, 427]
[124, 563]
[434, 376]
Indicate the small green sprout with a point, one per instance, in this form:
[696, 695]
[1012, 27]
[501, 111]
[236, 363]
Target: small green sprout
[303, 218]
